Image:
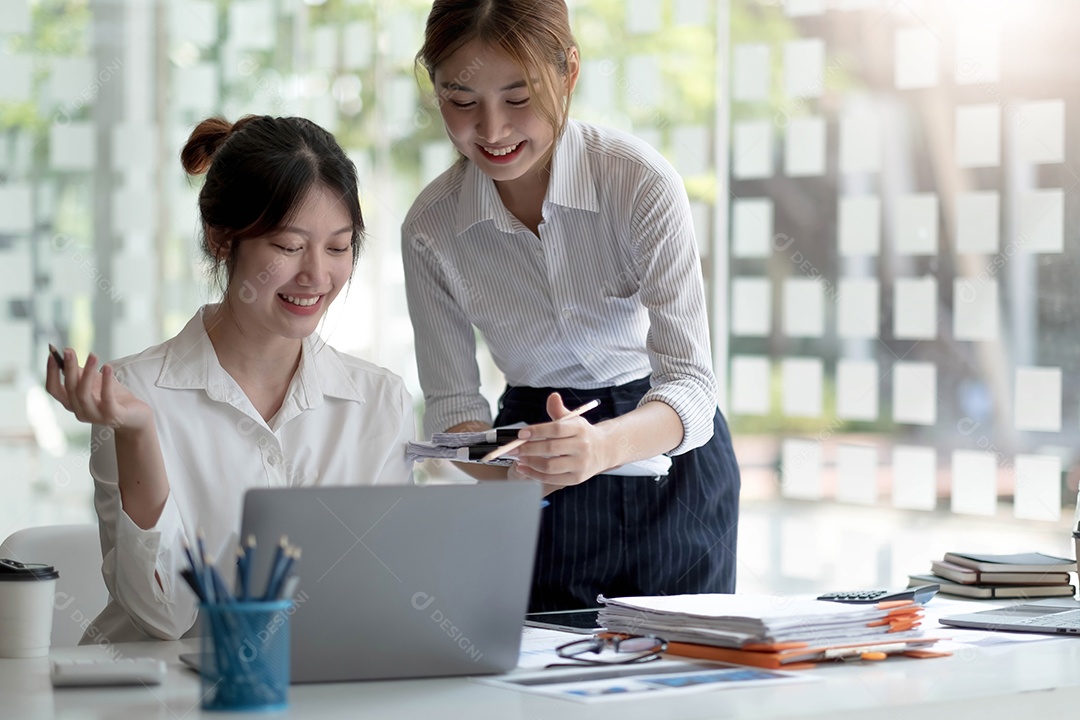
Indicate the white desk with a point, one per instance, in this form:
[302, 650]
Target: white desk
[1028, 680]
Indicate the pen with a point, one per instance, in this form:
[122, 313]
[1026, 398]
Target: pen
[502, 450]
[57, 356]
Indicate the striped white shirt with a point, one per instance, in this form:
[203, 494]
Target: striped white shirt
[610, 292]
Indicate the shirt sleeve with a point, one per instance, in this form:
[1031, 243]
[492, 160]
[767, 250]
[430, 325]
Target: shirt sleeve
[444, 337]
[134, 559]
[665, 252]
[398, 469]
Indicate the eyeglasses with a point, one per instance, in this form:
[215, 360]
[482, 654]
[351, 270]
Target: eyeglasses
[611, 650]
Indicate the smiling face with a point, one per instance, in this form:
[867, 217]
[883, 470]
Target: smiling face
[489, 115]
[284, 282]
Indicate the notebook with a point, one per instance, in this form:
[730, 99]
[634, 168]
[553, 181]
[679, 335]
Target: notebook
[401, 581]
[1044, 616]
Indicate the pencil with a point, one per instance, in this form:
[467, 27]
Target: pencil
[249, 560]
[514, 444]
[291, 556]
[241, 574]
[276, 567]
[289, 589]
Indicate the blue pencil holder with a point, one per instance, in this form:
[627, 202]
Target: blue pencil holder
[245, 655]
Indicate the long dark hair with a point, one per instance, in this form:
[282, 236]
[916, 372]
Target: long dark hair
[258, 171]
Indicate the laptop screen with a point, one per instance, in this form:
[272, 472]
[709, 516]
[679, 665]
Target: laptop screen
[402, 580]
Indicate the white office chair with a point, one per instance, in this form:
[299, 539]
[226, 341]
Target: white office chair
[75, 552]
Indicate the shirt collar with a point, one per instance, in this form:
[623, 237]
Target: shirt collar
[191, 364]
[572, 182]
[480, 201]
[572, 185]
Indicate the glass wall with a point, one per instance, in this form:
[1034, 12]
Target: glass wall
[903, 313]
[98, 223]
[881, 193]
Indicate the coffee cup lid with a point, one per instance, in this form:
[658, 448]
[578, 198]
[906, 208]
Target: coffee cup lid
[13, 570]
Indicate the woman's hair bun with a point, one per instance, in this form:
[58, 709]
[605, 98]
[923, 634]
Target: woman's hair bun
[205, 140]
[207, 137]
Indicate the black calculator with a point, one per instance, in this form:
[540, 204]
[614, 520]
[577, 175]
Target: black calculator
[920, 594]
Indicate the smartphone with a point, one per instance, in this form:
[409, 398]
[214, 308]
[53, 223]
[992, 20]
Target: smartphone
[582, 622]
[57, 356]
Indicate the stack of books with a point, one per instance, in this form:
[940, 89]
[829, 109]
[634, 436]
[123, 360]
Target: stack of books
[1000, 576]
[771, 631]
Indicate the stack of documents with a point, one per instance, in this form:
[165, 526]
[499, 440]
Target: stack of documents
[770, 631]
[468, 447]
[419, 451]
[471, 447]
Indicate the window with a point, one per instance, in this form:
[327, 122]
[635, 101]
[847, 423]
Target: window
[902, 317]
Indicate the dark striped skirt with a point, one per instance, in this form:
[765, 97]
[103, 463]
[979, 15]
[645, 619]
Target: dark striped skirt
[621, 536]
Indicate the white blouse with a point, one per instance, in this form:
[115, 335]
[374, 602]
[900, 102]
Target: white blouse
[610, 291]
[344, 421]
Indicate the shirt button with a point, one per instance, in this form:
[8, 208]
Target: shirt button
[590, 357]
[271, 461]
[567, 312]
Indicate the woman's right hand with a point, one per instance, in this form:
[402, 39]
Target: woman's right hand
[95, 397]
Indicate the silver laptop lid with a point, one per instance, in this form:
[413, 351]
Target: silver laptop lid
[402, 581]
[1060, 616]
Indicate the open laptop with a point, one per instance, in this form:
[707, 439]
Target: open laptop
[1052, 616]
[401, 581]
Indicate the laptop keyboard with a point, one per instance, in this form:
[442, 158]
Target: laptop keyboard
[1060, 620]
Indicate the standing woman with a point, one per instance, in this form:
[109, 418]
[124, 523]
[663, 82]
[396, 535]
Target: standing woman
[247, 395]
[570, 247]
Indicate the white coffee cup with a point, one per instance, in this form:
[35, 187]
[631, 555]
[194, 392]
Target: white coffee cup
[26, 608]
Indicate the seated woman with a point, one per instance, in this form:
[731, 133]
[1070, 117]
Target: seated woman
[247, 395]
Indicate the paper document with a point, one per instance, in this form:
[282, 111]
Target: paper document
[801, 658]
[499, 435]
[652, 679]
[419, 451]
[538, 647]
[471, 447]
[742, 620]
[656, 466]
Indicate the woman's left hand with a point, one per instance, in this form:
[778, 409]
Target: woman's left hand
[564, 451]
